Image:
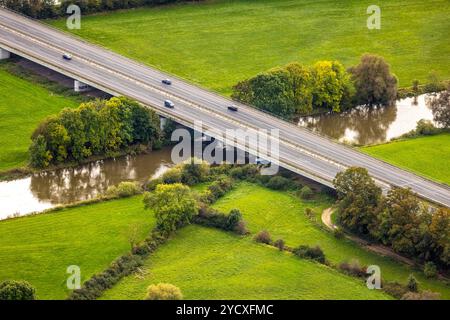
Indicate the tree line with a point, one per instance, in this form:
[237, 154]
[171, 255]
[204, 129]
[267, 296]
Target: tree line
[96, 128]
[296, 89]
[44, 9]
[397, 219]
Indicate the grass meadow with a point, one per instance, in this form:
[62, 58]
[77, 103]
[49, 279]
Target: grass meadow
[218, 43]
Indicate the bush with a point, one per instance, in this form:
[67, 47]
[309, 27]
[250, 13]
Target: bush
[172, 175]
[353, 268]
[425, 295]
[233, 219]
[306, 193]
[16, 290]
[430, 270]
[395, 289]
[123, 189]
[193, 172]
[412, 285]
[152, 184]
[279, 244]
[426, 128]
[278, 183]
[263, 237]
[307, 252]
[163, 291]
[241, 228]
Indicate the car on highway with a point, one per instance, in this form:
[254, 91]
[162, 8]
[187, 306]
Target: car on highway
[167, 81]
[233, 108]
[67, 56]
[169, 104]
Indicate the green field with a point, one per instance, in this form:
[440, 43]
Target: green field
[218, 43]
[211, 264]
[23, 105]
[40, 248]
[283, 215]
[426, 156]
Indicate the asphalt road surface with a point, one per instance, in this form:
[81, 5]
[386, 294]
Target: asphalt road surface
[300, 150]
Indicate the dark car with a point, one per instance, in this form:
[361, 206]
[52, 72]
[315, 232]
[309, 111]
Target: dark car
[167, 81]
[232, 108]
[67, 56]
[169, 104]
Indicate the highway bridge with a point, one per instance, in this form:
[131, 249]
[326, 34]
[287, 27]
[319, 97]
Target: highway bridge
[300, 150]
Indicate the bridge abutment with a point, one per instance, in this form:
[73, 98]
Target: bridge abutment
[4, 54]
[79, 86]
[162, 122]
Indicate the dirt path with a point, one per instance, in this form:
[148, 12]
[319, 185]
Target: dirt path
[379, 249]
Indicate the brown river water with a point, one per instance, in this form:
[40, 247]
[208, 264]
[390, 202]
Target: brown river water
[45, 190]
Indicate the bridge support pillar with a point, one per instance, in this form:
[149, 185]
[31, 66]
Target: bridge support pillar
[80, 86]
[4, 54]
[162, 122]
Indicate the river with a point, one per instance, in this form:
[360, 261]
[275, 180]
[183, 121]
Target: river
[365, 125]
[45, 190]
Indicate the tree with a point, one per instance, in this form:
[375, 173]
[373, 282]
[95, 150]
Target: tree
[40, 157]
[163, 291]
[301, 81]
[233, 219]
[440, 236]
[332, 88]
[400, 220]
[272, 91]
[359, 199]
[174, 205]
[440, 106]
[16, 290]
[374, 83]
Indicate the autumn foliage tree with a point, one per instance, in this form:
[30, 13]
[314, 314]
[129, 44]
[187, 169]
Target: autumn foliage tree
[101, 127]
[440, 106]
[374, 83]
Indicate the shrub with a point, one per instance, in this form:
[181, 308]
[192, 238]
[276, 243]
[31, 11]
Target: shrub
[395, 289]
[172, 175]
[426, 127]
[279, 244]
[353, 268]
[152, 183]
[263, 237]
[241, 228]
[306, 193]
[194, 171]
[278, 183]
[16, 290]
[163, 291]
[123, 189]
[430, 270]
[233, 219]
[425, 295]
[313, 253]
[412, 284]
